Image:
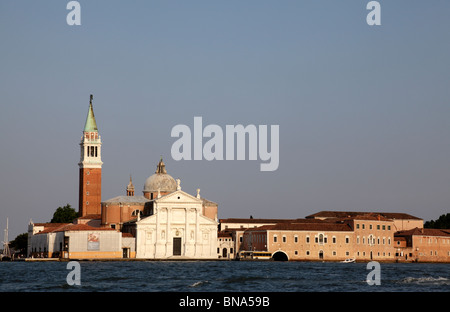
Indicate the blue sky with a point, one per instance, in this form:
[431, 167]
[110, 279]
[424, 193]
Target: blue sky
[363, 110]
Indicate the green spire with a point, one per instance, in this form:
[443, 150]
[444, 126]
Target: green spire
[91, 125]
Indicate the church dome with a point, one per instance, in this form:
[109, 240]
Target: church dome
[160, 180]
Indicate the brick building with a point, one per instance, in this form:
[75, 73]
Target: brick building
[336, 236]
[422, 245]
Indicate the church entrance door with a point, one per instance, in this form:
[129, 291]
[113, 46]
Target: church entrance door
[177, 246]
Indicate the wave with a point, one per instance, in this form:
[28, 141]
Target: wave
[199, 283]
[426, 280]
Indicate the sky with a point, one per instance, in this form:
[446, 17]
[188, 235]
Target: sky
[363, 111]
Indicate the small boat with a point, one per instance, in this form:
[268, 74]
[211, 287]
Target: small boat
[348, 261]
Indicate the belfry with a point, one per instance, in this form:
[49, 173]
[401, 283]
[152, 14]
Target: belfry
[90, 181]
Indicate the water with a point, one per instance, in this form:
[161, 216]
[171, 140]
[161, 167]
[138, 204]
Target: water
[222, 276]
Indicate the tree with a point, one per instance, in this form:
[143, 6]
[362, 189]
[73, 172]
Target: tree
[442, 223]
[64, 214]
[20, 243]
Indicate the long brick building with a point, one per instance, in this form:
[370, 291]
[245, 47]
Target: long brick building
[340, 235]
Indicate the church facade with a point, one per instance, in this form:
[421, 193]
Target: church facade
[177, 228]
[162, 223]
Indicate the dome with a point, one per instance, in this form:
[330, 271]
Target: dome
[160, 180]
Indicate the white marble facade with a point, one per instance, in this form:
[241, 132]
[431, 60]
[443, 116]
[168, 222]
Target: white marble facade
[177, 229]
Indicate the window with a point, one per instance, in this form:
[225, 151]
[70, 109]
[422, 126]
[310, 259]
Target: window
[347, 239]
[307, 239]
[136, 212]
[334, 239]
[357, 225]
[284, 239]
[384, 227]
[320, 238]
[274, 238]
[370, 226]
[363, 226]
[295, 239]
[389, 227]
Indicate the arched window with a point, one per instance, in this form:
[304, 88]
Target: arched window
[136, 212]
[320, 238]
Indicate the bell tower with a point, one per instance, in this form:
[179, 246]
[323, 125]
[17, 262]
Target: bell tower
[90, 188]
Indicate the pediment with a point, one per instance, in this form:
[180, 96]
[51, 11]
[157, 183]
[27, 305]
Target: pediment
[147, 220]
[178, 197]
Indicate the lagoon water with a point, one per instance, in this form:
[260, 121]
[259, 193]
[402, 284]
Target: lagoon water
[222, 276]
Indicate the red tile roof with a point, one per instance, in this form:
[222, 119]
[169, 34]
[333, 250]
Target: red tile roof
[51, 227]
[251, 220]
[352, 214]
[306, 225]
[48, 224]
[224, 234]
[82, 227]
[424, 232]
[91, 216]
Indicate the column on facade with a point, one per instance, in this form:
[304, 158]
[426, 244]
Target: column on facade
[157, 232]
[197, 229]
[186, 232]
[169, 243]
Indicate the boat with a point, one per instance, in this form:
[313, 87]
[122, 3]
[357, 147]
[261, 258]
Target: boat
[349, 261]
[254, 255]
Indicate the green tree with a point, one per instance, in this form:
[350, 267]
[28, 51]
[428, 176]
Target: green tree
[20, 243]
[442, 223]
[64, 214]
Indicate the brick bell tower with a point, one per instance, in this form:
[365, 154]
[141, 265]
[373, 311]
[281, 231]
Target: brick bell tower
[90, 189]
